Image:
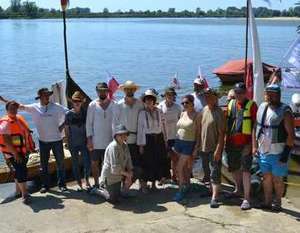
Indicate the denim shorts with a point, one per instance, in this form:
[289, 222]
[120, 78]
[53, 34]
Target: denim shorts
[269, 163]
[184, 147]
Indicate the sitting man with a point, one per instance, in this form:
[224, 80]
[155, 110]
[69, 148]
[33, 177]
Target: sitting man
[117, 167]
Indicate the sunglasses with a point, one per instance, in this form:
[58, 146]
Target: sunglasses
[185, 103]
[77, 101]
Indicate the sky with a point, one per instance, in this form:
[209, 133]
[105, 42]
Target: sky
[113, 5]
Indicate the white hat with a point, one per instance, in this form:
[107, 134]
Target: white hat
[199, 81]
[128, 84]
[296, 98]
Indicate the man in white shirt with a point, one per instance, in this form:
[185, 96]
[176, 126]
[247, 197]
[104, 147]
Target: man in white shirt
[49, 118]
[171, 114]
[127, 111]
[99, 125]
[199, 98]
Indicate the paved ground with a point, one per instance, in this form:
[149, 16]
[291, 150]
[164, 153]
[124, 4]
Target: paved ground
[79, 212]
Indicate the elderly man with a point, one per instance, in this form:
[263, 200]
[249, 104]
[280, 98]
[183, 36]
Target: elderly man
[198, 94]
[212, 140]
[240, 141]
[275, 136]
[126, 113]
[49, 120]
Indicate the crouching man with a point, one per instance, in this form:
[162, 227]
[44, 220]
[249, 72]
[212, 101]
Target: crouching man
[117, 167]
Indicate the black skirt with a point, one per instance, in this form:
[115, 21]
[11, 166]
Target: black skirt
[155, 163]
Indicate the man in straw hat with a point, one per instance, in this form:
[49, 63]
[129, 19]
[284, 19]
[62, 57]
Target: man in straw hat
[127, 111]
[48, 118]
[99, 128]
[212, 140]
[77, 143]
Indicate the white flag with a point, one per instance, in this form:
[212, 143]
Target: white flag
[258, 75]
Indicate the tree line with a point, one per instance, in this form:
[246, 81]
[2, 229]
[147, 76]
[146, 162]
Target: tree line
[28, 9]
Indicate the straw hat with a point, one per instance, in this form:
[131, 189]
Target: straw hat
[128, 84]
[78, 96]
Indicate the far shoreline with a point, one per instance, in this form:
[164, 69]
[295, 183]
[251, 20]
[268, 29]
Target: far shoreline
[126, 17]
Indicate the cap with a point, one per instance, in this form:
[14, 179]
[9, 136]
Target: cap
[211, 91]
[102, 87]
[199, 81]
[43, 91]
[120, 129]
[240, 87]
[273, 88]
[296, 98]
[170, 90]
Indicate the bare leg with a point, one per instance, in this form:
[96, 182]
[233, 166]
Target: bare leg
[23, 188]
[268, 188]
[237, 176]
[215, 191]
[279, 188]
[95, 172]
[182, 162]
[247, 185]
[18, 191]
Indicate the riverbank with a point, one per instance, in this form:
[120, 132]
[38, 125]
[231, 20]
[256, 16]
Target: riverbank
[80, 212]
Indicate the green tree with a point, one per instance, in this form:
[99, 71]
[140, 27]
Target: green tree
[199, 12]
[15, 6]
[171, 11]
[30, 9]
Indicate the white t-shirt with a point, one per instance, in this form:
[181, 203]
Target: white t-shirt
[47, 120]
[171, 116]
[199, 102]
[265, 141]
[99, 124]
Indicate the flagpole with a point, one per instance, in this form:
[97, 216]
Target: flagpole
[247, 42]
[65, 43]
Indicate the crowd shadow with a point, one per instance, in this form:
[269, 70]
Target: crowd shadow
[48, 202]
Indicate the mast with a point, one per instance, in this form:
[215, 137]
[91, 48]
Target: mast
[247, 41]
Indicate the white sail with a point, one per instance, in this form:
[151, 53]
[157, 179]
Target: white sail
[258, 76]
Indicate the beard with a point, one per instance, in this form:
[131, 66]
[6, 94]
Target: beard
[102, 97]
[130, 95]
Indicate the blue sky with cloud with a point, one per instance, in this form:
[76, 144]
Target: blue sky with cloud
[98, 5]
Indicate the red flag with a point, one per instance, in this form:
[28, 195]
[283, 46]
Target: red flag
[113, 86]
[64, 4]
[249, 81]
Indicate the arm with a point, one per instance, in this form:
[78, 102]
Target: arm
[3, 100]
[253, 118]
[9, 144]
[289, 127]
[198, 129]
[221, 142]
[89, 127]
[141, 134]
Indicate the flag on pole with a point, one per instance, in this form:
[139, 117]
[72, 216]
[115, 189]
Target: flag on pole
[258, 75]
[113, 85]
[200, 76]
[64, 4]
[175, 81]
[249, 81]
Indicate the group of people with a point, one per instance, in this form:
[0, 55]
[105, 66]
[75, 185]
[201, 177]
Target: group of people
[139, 139]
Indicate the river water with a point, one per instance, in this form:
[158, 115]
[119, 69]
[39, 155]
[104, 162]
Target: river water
[147, 51]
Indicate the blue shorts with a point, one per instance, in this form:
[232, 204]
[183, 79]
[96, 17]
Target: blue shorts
[184, 147]
[270, 164]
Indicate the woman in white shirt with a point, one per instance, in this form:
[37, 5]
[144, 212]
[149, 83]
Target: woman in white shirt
[151, 141]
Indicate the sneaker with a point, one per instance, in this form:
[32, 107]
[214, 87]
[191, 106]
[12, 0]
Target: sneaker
[26, 200]
[17, 195]
[276, 207]
[214, 204]
[179, 196]
[63, 189]
[94, 190]
[44, 190]
[245, 205]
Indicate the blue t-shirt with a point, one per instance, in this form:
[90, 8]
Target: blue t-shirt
[77, 130]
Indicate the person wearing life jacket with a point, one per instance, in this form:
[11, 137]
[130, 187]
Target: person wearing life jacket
[16, 143]
[240, 142]
[275, 136]
[295, 106]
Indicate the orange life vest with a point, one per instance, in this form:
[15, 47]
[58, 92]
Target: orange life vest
[20, 134]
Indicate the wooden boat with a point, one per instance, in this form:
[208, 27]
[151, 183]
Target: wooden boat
[233, 71]
[34, 167]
